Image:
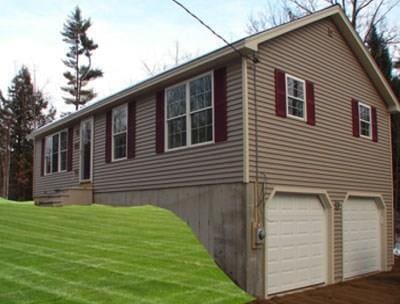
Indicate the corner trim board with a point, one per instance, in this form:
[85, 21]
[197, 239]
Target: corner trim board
[245, 111]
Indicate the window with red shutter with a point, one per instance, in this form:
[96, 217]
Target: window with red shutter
[220, 105]
[355, 118]
[364, 119]
[280, 93]
[310, 99]
[160, 120]
[131, 129]
[374, 119]
[193, 112]
[366, 123]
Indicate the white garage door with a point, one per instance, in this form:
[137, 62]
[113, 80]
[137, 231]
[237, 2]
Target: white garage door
[361, 237]
[296, 242]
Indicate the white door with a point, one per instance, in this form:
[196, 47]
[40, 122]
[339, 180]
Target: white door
[296, 242]
[361, 237]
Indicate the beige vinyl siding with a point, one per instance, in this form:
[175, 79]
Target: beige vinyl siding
[209, 164]
[325, 156]
[60, 180]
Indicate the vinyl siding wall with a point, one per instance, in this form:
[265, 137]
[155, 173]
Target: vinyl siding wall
[217, 163]
[324, 156]
[56, 181]
[210, 164]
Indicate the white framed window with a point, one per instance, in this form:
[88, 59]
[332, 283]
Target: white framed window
[56, 147]
[189, 115]
[365, 120]
[296, 98]
[119, 132]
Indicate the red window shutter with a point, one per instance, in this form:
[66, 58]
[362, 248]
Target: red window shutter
[220, 105]
[374, 124]
[42, 156]
[70, 148]
[310, 99]
[160, 121]
[108, 136]
[131, 129]
[280, 93]
[355, 116]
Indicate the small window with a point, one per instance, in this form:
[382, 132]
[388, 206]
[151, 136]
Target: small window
[189, 113]
[365, 120]
[119, 132]
[295, 101]
[56, 148]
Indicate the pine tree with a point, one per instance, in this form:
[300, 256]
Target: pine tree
[80, 49]
[4, 144]
[26, 110]
[379, 50]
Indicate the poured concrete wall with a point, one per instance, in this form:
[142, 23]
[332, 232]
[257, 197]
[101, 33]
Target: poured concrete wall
[218, 215]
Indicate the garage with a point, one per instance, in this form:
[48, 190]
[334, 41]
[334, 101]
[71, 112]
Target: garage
[296, 243]
[361, 237]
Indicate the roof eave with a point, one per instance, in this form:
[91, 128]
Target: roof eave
[249, 44]
[214, 56]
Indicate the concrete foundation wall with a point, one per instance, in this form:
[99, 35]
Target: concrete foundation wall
[218, 215]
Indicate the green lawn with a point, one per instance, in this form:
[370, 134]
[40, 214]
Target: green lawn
[99, 254]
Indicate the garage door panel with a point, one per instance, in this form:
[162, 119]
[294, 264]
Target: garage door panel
[296, 242]
[361, 237]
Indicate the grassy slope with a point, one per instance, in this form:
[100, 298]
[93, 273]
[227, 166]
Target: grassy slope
[101, 254]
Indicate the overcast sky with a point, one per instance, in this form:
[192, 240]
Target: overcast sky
[128, 32]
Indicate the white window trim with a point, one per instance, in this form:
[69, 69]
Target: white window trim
[113, 134]
[81, 180]
[59, 153]
[360, 104]
[304, 118]
[188, 114]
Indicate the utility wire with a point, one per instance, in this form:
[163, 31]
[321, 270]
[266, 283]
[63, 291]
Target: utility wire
[254, 59]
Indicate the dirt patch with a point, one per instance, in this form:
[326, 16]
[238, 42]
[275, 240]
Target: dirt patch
[380, 288]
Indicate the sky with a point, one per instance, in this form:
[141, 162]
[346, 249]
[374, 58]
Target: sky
[128, 32]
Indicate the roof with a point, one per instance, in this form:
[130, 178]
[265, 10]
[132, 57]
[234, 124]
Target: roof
[247, 45]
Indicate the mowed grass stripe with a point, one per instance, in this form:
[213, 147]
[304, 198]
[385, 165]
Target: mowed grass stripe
[118, 250]
[141, 260]
[56, 229]
[57, 280]
[85, 261]
[100, 254]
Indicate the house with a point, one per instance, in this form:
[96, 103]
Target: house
[293, 146]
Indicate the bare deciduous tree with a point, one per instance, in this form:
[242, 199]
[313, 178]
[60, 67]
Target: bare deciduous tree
[363, 15]
[175, 57]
